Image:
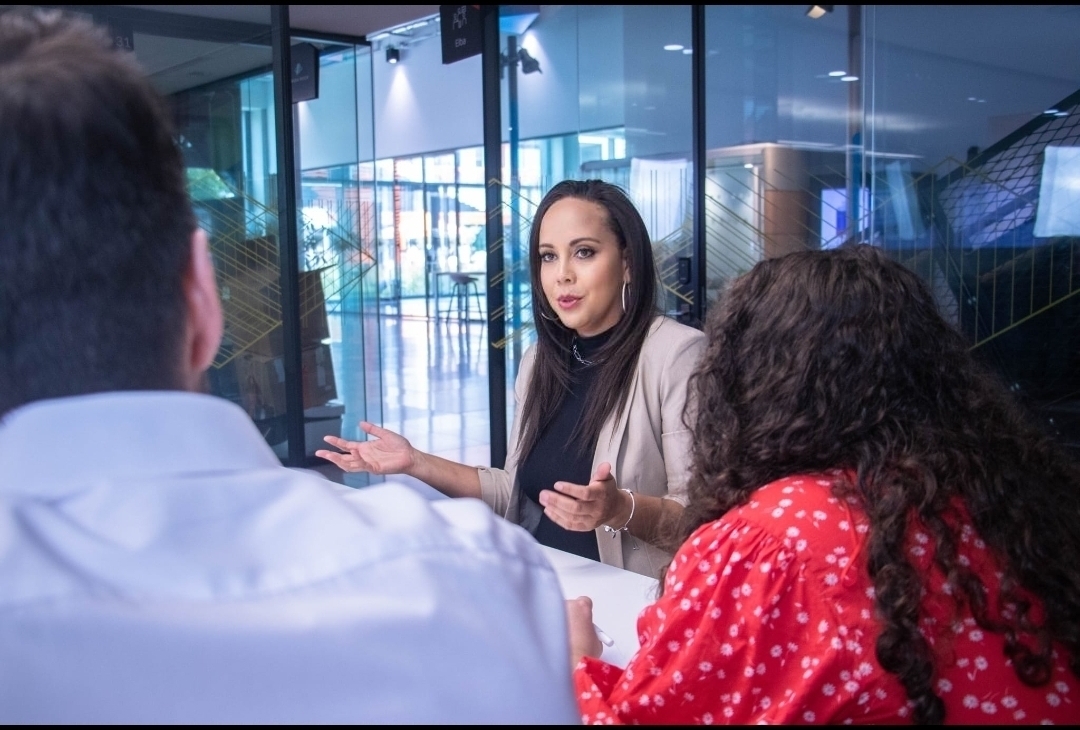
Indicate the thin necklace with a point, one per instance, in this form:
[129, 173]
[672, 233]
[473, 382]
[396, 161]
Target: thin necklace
[578, 357]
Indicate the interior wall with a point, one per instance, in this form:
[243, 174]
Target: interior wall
[328, 125]
[421, 106]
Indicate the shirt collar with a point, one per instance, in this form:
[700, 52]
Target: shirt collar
[52, 447]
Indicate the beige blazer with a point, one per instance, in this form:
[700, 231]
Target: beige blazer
[648, 447]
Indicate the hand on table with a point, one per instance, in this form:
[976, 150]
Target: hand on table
[579, 622]
[389, 453]
[586, 507]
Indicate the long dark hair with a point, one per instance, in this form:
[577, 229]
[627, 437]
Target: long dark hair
[829, 359]
[618, 357]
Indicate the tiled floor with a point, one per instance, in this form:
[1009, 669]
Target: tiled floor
[434, 390]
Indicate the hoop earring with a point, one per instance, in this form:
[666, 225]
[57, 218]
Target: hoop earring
[549, 319]
[625, 286]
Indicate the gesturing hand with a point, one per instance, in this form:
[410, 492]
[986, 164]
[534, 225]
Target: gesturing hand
[583, 508]
[389, 453]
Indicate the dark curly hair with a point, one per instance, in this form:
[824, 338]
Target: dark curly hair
[826, 359]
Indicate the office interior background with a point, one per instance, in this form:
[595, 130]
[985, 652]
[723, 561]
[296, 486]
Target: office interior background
[368, 286]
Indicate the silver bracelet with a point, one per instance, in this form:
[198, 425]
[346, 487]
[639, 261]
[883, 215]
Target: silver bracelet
[624, 528]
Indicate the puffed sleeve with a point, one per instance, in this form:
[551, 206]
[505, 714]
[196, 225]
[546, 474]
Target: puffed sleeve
[730, 640]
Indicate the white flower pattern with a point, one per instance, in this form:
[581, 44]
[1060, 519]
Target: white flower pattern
[775, 577]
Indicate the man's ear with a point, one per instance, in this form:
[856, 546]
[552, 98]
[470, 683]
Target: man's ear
[204, 321]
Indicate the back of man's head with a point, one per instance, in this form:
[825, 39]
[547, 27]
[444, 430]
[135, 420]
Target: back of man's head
[95, 223]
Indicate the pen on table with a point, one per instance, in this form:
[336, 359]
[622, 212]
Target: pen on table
[604, 638]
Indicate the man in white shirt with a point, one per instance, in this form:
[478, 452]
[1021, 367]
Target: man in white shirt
[157, 564]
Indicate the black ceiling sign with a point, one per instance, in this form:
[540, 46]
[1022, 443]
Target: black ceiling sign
[460, 28]
[305, 72]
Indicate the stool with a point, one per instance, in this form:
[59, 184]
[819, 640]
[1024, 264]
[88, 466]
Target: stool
[459, 292]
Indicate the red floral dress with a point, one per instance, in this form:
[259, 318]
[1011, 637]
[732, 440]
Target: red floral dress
[767, 617]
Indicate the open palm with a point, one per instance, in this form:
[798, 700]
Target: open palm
[388, 453]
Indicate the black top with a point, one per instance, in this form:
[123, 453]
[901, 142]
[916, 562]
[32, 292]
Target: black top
[555, 459]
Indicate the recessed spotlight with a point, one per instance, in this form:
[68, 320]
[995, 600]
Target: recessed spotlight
[687, 51]
[836, 74]
[1051, 111]
[972, 98]
[674, 47]
[1062, 114]
[749, 165]
[849, 77]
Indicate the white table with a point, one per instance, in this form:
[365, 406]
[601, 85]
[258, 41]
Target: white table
[617, 595]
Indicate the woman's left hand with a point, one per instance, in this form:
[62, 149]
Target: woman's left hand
[585, 507]
[579, 622]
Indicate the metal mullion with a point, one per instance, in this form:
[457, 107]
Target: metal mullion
[287, 234]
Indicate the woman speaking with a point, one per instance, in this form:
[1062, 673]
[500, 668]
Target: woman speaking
[599, 453]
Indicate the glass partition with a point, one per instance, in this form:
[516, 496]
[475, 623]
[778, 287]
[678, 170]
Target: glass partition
[597, 91]
[942, 134]
[339, 287]
[216, 76]
[972, 181]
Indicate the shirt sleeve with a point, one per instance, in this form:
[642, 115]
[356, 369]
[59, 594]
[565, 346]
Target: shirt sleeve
[676, 438]
[734, 639]
[497, 485]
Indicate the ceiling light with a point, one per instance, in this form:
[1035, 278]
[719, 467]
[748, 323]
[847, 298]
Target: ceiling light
[749, 165]
[393, 55]
[673, 47]
[1051, 111]
[849, 78]
[687, 51]
[835, 74]
[818, 11]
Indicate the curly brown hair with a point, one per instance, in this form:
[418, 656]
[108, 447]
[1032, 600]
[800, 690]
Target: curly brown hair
[826, 359]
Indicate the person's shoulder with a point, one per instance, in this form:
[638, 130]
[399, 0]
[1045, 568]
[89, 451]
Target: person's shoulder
[804, 511]
[669, 341]
[464, 532]
[528, 357]
[796, 497]
[666, 332]
[797, 517]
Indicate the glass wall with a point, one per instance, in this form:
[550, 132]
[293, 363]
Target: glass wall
[944, 134]
[596, 92]
[339, 283]
[216, 76]
[431, 225]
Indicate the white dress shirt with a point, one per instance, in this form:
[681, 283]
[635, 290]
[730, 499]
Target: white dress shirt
[158, 564]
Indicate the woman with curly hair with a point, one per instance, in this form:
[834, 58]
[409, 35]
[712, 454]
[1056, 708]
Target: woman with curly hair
[875, 532]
